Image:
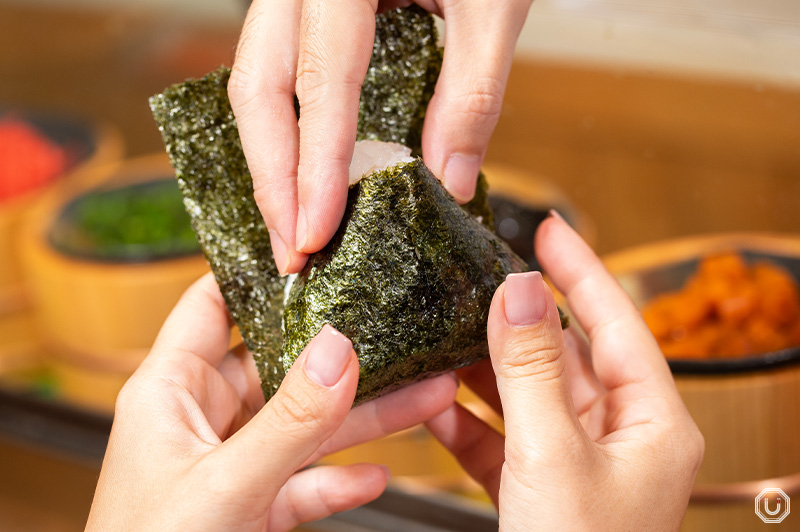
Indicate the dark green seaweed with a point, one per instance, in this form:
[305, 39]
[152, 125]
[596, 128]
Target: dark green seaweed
[408, 277]
[402, 74]
[199, 131]
[438, 276]
[138, 222]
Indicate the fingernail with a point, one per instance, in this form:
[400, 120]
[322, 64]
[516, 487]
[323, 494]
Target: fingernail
[555, 214]
[279, 251]
[525, 303]
[461, 175]
[455, 378]
[328, 355]
[302, 228]
[386, 470]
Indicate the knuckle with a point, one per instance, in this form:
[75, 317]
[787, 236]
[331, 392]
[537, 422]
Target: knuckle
[522, 359]
[451, 5]
[243, 85]
[125, 398]
[310, 71]
[263, 194]
[294, 506]
[296, 413]
[697, 447]
[683, 444]
[483, 100]
[130, 396]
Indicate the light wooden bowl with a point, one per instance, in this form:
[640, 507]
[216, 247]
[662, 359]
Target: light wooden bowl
[96, 145]
[747, 408]
[20, 348]
[101, 318]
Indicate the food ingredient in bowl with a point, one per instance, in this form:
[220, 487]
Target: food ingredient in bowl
[131, 223]
[28, 159]
[728, 308]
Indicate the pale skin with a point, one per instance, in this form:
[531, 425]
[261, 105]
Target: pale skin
[193, 447]
[596, 435]
[320, 50]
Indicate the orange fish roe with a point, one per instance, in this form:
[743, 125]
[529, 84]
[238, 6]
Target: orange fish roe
[728, 309]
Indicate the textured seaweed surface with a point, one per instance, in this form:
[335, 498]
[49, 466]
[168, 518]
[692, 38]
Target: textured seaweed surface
[400, 79]
[408, 277]
[199, 130]
[478, 206]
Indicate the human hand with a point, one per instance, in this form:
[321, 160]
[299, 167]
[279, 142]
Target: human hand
[193, 447]
[597, 437]
[321, 51]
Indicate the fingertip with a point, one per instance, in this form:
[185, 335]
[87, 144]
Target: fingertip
[296, 263]
[286, 260]
[452, 151]
[552, 221]
[320, 215]
[280, 252]
[524, 300]
[373, 479]
[524, 327]
[441, 392]
[460, 176]
[301, 235]
[328, 356]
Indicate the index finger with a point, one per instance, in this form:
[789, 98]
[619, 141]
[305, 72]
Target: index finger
[261, 91]
[623, 350]
[335, 48]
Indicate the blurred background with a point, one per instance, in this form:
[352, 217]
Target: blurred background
[666, 131]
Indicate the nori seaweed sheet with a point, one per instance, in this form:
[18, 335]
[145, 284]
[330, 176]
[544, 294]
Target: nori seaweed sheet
[408, 277]
[199, 130]
[401, 77]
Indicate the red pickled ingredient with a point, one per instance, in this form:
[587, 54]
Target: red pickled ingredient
[28, 159]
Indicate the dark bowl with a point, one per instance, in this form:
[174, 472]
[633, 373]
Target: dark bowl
[76, 136]
[126, 223]
[650, 270]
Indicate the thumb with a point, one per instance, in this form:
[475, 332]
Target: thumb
[312, 402]
[526, 346]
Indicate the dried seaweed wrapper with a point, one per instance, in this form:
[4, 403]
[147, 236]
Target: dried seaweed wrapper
[199, 131]
[400, 79]
[408, 277]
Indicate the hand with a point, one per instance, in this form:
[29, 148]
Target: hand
[321, 50]
[597, 437]
[194, 448]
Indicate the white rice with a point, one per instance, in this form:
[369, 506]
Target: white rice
[371, 155]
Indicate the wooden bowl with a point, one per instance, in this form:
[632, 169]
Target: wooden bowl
[96, 315]
[747, 408]
[90, 146]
